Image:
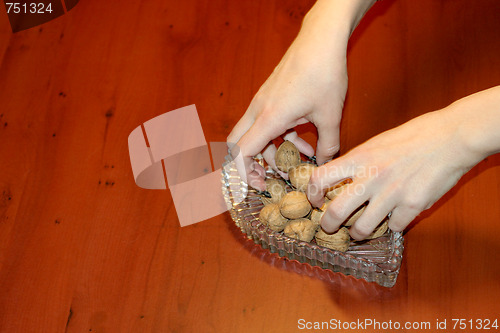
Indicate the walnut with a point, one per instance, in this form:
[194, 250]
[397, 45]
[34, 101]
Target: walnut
[354, 216]
[317, 214]
[294, 205]
[287, 156]
[276, 188]
[270, 215]
[337, 189]
[300, 175]
[339, 240]
[379, 231]
[301, 229]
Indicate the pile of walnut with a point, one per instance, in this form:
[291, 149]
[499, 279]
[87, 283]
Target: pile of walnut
[293, 214]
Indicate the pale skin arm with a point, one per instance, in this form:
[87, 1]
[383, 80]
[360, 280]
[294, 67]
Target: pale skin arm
[308, 85]
[412, 165]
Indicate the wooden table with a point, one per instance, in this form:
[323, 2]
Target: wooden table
[82, 248]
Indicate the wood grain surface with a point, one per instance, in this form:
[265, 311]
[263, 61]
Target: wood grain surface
[83, 249]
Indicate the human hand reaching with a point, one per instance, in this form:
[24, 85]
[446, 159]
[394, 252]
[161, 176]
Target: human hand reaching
[304, 87]
[308, 85]
[404, 171]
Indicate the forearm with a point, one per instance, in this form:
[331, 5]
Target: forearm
[478, 122]
[331, 22]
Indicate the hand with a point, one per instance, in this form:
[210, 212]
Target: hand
[404, 171]
[308, 85]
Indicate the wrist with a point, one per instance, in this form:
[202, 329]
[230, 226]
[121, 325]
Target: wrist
[477, 119]
[451, 132]
[336, 19]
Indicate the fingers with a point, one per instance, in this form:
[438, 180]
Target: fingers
[270, 151]
[268, 155]
[402, 216]
[326, 176]
[342, 207]
[252, 135]
[328, 141]
[256, 176]
[240, 128]
[243, 125]
[300, 143]
[376, 211]
[263, 130]
[249, 170]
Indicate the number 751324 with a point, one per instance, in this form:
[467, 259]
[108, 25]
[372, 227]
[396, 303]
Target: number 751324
[25, 8]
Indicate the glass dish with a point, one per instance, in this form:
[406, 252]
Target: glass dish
[377, 260]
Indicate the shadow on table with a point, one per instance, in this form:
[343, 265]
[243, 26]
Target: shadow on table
[356, 288]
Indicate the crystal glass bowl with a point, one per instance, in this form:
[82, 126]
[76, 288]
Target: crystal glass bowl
[377, 260]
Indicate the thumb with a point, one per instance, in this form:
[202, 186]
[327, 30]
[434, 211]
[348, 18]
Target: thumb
[328, 141]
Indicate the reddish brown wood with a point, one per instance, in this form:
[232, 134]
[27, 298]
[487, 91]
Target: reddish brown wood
[82, 248]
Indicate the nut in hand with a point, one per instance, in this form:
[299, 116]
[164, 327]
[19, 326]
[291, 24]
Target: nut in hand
[287, 156]
[294, 205]
[301, 229]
